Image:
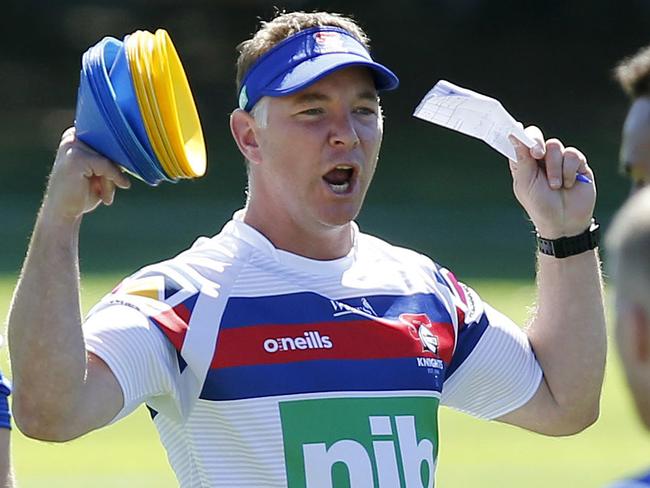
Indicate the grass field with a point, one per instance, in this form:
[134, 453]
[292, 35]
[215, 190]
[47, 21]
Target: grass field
[473, 453]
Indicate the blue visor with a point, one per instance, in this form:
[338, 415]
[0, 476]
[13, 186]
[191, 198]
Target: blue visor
[304, 58]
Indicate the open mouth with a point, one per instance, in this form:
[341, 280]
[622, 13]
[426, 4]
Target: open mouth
[340, 178]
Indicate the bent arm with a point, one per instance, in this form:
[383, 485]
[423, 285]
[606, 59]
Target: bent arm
[567, 333]
[60, 391]
[569, 339]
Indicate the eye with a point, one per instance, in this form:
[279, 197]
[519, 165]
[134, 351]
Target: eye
[312, 111]
[365, 110]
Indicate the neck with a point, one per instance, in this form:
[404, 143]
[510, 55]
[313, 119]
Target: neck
[319, 241]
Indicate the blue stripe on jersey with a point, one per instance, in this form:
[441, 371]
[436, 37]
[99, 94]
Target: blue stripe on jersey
[468, 337]
[320, 376]
[440, 279]
[182, 364]
[308, 307]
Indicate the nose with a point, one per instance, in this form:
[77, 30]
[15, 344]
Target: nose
[343, 132]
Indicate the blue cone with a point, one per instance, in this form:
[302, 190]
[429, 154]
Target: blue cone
[121, 79]
[92, 126]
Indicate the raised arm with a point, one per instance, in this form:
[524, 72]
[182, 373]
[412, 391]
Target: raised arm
[567, 331]
[60, 391]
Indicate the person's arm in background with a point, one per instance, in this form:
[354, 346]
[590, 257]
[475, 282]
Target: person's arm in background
[60, 390]
[567, 332]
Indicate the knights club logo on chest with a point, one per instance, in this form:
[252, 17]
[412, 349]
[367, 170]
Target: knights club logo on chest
[436, 338]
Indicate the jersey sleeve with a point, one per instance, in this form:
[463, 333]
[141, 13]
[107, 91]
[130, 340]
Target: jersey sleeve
[493, 370]
[139, 330]
[142, 361]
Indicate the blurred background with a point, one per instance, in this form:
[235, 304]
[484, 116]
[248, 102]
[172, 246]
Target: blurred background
[549, 62]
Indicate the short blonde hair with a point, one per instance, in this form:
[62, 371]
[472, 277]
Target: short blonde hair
[285, 25]
[628, 246]
[633, 74]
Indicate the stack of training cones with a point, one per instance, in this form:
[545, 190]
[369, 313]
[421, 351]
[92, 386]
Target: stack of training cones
[135, 107]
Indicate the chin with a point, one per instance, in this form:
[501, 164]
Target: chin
[338, 222]
[338, 215]
[339, 218]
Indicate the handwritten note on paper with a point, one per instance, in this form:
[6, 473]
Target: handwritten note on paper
[473, 114]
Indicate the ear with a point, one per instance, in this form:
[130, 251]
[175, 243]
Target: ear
[243, 129]
[641, 331]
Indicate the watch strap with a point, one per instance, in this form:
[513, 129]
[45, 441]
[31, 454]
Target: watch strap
[564, 247]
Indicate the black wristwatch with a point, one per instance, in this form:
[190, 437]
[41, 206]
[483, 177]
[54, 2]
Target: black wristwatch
[570, 246]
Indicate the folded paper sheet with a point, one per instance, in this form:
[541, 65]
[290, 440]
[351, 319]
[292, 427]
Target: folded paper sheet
[473, 114]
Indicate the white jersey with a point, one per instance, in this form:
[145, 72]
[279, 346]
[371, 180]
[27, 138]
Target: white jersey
[266, 369]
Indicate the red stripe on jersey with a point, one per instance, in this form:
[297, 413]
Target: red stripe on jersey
[461, 317]
[359, 339]
[183, 312]
[173, 324]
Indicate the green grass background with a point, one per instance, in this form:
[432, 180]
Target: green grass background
[473, 453]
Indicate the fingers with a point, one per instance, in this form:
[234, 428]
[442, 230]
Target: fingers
[68, 135]
[81, 178]
[95, 184]
[90, 163]
[559, 164]
[563, 164]
[539, 149]
[525, 171]
[554, 163]
[103, 176]
[526, 155]
[106, 170]
[574, 163]
[108, 191]
[102, 188]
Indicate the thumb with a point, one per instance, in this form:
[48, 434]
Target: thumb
[527, 158]
[525, 167]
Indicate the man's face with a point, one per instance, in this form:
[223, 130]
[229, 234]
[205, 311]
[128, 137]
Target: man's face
[635, 148]
[633, 341]
[319, 150]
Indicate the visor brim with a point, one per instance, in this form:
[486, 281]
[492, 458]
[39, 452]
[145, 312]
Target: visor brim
[316, 68]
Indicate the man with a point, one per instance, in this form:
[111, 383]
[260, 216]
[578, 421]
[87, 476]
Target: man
[292, 349]
[633, 74]
[628, 243]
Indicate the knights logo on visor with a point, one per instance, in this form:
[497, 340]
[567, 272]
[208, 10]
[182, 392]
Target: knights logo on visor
[327, 41]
